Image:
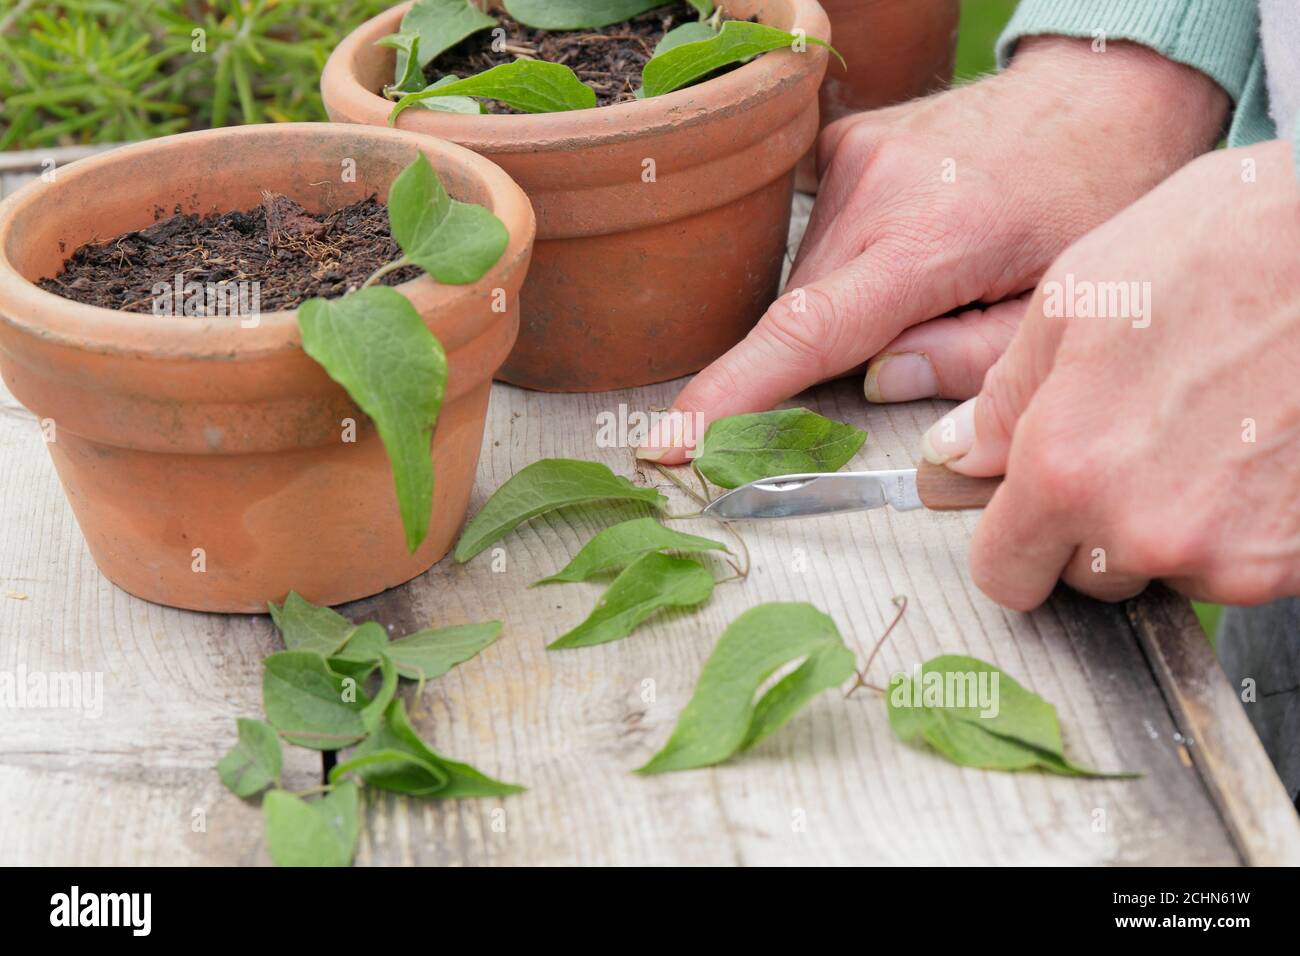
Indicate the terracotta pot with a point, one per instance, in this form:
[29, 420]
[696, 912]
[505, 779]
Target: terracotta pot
[634, 282]
[177, 434]
[896, 50]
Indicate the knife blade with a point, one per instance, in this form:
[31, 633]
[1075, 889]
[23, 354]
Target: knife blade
[807, 495]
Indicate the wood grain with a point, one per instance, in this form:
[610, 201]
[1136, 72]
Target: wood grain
[942, 489]
[833, 787]
[124, 786]
[1217, 733]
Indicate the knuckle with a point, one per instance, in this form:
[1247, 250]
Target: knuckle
[1058, 447]
[997, 411]
[984, 341]
[836, 134]
[1109, 587]
[1064, 476]
[716, 385]
[801, 335]
[1250, 583]
[988, 573]
[849, 139]
[854, 134]
[901, 156]
[1163, 549]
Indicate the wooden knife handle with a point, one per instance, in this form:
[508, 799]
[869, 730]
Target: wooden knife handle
[942, 489]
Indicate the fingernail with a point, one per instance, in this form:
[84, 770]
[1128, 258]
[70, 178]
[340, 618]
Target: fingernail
[951, 436]
[900, 377]
[664, 436]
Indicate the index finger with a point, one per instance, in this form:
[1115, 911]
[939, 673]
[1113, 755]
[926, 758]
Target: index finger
[807, 336]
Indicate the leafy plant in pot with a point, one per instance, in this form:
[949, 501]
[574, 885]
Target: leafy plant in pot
[212, 463]
[662, 220]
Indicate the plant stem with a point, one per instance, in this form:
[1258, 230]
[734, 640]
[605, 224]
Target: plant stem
[400, 263]
[683, 486]
[744, 548]
[704, 485]
[312, 791]
[900, 602]
[345, 739]
[12, 16]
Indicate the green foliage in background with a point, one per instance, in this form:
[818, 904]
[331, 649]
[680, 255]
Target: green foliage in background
[100, 71]
[981, 23]
[103, 71]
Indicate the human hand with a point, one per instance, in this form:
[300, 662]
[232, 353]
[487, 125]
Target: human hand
[959, 199]
[1164, 444]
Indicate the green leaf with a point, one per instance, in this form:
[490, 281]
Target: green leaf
[365, 646]
[455, 242]
[821, 671]
[408, 76]
[692, 31]
[427, 654]
[544, 486]
[466, 105]
[737, 41]
[745, 448]
[356, 650]
[650, 583]
[533, 86]
[621, 544]
[578, 14]
[361, 654]
[703, 7]
[309, 704]
[372, 715]
[374, 344]
[424, 780]
[320, 833]
[976, 716]
[306, 627]
[254, 763]
[722, 717]
[420, 771]
[967, 745]
[353, 650]
[394, 758]
[441, 24]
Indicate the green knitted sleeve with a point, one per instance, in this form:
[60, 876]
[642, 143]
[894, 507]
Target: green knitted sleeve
[1217, 37]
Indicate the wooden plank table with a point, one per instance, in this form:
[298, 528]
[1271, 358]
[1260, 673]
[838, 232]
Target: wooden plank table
[1137, 688]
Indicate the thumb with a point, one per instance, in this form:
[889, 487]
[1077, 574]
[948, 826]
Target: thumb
[975, 437]
[946, 357]
[807, 336]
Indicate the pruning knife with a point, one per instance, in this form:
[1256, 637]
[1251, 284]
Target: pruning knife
[801, 496]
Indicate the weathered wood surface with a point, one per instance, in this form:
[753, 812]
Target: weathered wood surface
[134, 784]
[832, 787]
[1240, 777]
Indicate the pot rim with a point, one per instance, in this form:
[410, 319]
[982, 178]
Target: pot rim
[738, 90]
[51, 317]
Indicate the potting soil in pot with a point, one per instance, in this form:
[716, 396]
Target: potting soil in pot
[608, 59]
[291, 254]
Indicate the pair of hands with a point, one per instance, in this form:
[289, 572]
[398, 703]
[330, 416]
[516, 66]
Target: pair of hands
[955, 243]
